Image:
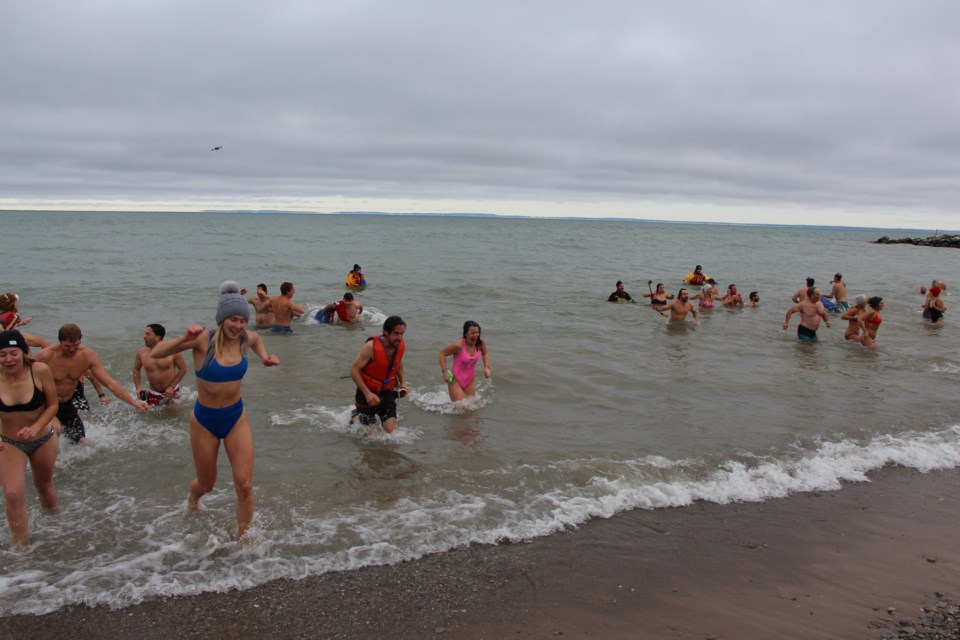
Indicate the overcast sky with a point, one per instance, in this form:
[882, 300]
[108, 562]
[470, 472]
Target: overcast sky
[806, 112]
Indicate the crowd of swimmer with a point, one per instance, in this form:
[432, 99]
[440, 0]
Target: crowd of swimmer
[863, 318]
[41, 396]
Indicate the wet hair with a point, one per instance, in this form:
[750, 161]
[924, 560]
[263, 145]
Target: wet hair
[158, 330]
[466, 327]
[681, 291]
[263, 286]
[659, 284]
[69, 333]
[348, 296]
[8, 301]
[811, 292]
[285, 287]
[875, 301]
[730, 286]
[754, 295]
[809, 282]
[392, 323]
[837, 277]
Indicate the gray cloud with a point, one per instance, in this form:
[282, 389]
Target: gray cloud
[820, 104]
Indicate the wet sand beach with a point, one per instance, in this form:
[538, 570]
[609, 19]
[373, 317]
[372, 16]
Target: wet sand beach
[839, 564]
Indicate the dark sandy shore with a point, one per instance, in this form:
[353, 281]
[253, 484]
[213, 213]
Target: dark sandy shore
[854, 563]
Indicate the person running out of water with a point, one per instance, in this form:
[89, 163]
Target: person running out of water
[801, 293]
[732, 297]
[620, 295]
[870, 321]
[659, 297]
[285, 309]
[680, 307]
[466, 353]
[163, 374]
[262, 307]
[852, 316]
[696, 277]
[220, 363]
[378, 373]
[356, 278]
[838, 292]
[811, 313]
[69, 360]
[345, 310]
[753, 299]
[28, 435]
[934, 308]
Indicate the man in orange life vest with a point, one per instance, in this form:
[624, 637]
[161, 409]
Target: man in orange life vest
[378, 374]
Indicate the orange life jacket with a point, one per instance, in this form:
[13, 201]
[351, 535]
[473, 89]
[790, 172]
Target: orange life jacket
[381, 374]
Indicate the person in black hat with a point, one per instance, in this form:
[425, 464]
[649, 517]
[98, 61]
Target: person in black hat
[620, 295]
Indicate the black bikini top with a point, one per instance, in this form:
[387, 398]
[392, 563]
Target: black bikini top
[38, 400]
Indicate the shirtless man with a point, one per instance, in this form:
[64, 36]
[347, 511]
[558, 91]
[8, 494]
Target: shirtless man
[345, 310]
[285, 309]
[811, 312]
[801, 293]
[262, 307]
[680, 307]
[68, 360]
[732, 297]
[163, 374]
[852, 316]
[839, 291]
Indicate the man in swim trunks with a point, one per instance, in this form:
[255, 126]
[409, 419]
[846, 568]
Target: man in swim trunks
[378, 373]
[68, 360]
[838, 293]
[680, 307]
[262, 307]
[345, 310]
[753, 299]
[801, 293]
[285, 309]
[620, 295]
[811, 313]
[163, 374]
[732, 297]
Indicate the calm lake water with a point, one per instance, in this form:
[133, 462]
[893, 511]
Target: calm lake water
[593, 408]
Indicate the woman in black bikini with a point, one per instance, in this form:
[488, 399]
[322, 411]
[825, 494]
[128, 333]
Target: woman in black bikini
[28, 406]
[659, 297]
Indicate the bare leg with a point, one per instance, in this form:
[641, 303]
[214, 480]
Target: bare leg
[205, 447]
[42, 464]
[239, 447]
[13, 464]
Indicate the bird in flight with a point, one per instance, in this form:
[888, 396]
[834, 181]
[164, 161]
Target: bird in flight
[217, 148]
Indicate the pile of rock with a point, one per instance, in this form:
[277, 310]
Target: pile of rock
[940, 621]
[932, 241]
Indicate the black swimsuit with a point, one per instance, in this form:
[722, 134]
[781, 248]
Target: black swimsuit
[37, 401]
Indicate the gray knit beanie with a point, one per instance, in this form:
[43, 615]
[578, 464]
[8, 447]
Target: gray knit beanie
[231, 302]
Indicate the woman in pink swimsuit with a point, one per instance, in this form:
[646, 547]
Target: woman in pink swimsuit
[466, 352]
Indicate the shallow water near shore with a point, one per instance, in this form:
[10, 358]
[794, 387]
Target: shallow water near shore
[593, 409]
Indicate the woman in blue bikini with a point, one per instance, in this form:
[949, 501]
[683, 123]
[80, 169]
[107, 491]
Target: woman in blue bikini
[220, 362]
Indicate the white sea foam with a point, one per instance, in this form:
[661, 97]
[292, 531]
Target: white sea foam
[183, 553]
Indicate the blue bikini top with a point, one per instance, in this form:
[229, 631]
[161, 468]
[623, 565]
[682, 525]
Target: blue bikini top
[213, 371]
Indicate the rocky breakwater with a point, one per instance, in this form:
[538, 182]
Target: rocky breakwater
[932, 241]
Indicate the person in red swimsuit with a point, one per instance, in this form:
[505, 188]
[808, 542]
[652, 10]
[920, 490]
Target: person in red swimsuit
[870, 321]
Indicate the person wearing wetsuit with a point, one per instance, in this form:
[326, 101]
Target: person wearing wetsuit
[620, 295]
[378, 373]
[28, 404]
[466, 352]
[220, 362]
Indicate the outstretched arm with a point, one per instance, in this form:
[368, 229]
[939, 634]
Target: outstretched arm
[257, 346]
[189, 340]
